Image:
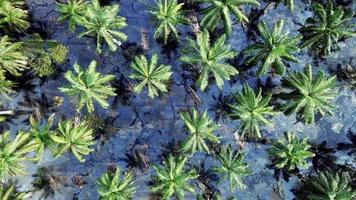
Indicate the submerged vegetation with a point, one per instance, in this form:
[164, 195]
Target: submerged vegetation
[235, 144]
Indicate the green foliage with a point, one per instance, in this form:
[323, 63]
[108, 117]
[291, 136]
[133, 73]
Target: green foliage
[43, 54]
[330, 186]
[251, 108]
[5, 85]
[13, 16]
[290, 152]
[112, 188]
[172, 179]
[220, 10]
[201, 130]
[275, 49]
[41, 135]
[8, 192]
[71, 11]
[232, 167]
[288, 3]
[74, 137]
[87, 86]
[155, 77]
[310, 94]
[330, 25]
[101, 21]
[12, 59]
[57, 51]
[13, 152]
[210, 58]
[167, 15]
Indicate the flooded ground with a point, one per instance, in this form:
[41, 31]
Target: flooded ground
[135, 122]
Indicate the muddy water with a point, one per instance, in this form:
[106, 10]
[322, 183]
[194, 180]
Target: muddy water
[155, 124]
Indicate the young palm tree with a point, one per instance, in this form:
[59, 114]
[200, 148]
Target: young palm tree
[111, 187]
[232, 167]
[101, 21]
[172, 179]
[71, 11]
[13, 16]
[13, 152]
[310, 94]
[275, 49]
[167, 15]
[251, 109]
[201, 130]
[41, 135]
[76, 138]
[155, 77]
[330, 186]
[330, 25]
[291, 152]
[220, 10]
[12, 59]
[87, 86]
[210, 58]
[8, 192]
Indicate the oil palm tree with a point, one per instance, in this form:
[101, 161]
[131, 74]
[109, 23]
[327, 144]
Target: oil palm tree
[330, 25]
[232, 167]
[201, 130]
[251, 109]
[309, 94]
[111, 187]
[71, 11]
[87, 86]
[329, 186]
[13, 152]
[167, 15]
[291, 152]
[76, 138]
[9, 192]
[41, 135]
[172, 179]
[102, 22]
[155, 77]
[12, 59]
[221, 10]
[210, 58]
[275, 49]
[13, 16]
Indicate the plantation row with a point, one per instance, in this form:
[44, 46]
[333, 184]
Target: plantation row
[308, 94]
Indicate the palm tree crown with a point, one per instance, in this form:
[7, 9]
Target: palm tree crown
[210, 58]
